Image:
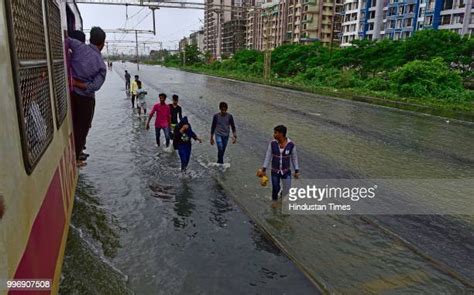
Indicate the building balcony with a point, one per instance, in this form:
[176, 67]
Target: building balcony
[312, 10]
[453, 11]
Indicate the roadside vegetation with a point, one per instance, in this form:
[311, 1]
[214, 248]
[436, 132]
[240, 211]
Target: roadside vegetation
[431, 69]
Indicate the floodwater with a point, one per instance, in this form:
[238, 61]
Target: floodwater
[139, 227]
[156, 232]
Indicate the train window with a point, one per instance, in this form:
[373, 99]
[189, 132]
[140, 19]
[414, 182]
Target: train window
[30, 72]
[57, 61]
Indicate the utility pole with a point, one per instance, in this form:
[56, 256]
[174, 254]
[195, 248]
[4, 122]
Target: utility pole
[154, 25]
[332, 34]
[218, 49]
[268, 53]
[107, 46]
[184, 56]
[136, 44]
[217, 39]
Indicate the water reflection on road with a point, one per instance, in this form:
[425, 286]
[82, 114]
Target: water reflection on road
[188, 236]
[174, 235]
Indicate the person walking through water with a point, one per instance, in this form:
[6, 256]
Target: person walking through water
[183, 133]
[162, 121]
[133, 89]
[141, 99]
[281, 155]
[127, 80]
[222, 122]
[176, 114]
[88, 72]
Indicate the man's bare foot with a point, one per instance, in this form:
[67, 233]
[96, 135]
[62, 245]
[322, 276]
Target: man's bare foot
[276, 204]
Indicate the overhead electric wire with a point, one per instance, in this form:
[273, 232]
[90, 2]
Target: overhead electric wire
[136, 25]
[136, 13]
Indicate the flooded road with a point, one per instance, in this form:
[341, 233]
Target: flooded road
[139, 227]
[188, 236]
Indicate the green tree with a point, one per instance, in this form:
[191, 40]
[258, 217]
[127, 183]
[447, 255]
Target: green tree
[248, 57]
[192, 55]
[428, 44]
[291, 59]
[433, 78]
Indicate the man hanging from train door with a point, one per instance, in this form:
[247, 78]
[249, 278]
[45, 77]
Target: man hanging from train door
[88, 72]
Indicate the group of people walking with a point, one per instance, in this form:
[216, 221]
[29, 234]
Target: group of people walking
[87, 70]
[281, 153]
[175, 127]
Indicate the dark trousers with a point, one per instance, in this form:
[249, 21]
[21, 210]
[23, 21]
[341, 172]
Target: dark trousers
[127, 84]
[82, 114]
[276, 187]
[184, 151]
[166, 131]
[221, 142]
[133, 100]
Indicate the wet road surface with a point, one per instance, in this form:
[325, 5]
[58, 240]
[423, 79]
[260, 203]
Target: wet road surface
[168, 222]
[139, 227]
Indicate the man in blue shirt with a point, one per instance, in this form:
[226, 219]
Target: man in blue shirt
[88, 72]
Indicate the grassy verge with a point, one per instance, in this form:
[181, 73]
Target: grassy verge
[456, 110]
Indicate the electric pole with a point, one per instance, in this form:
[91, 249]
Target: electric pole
[107, 46]
[136, 44]
[184, 56]
[268, 53]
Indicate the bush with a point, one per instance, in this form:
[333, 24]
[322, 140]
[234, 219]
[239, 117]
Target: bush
[346, 79]
[256, 68]
[427, 79]
[377, 84]
[329, 77]
[456, 96]
[248, 57]
[290, 59]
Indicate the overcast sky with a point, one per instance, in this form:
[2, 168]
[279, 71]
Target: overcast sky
[171, 24]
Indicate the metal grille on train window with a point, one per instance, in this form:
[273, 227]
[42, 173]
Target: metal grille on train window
[60, 91]
[34, 89]
[55, 33]
[26, 27]
[57, 54]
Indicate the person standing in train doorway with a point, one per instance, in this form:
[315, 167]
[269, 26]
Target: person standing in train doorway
[88, 72]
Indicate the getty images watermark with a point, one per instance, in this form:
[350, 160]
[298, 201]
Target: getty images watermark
[380, 196]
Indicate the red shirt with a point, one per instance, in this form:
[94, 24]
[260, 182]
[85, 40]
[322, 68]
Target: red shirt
[163, 115]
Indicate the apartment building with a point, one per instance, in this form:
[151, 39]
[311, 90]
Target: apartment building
[278, 22]
[399, 19]
[224, 26]
[457, 16]
[183, 43]
[233, 36]
[216, 13]
[197, 39]
[350, 21]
